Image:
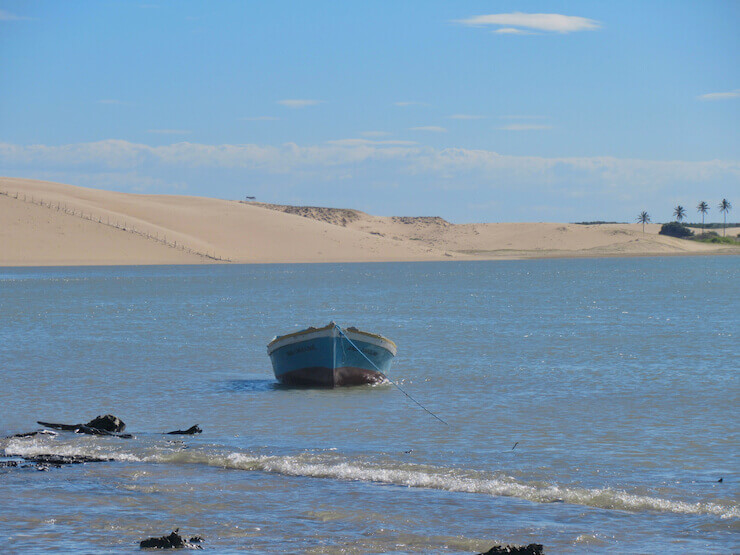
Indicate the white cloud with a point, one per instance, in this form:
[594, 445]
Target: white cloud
[169, 131]
[512, 31]
[721, 95]
[522, 117]
[298, 103]
[465, 116]
[605, 187]
[260, 118]
[550, 22]
[358, 142]
[176, 162]
[524, 127]
[407, 103]
[430, 128]
[375, 133]
[7, 16]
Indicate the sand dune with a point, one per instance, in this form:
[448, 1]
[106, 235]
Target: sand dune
[44, 223]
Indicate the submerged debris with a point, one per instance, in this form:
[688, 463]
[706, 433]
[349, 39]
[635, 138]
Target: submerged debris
[173, 541]
[107, 425]
[190, 431]
[59, 460]
[46, 462]
[531, 549]
[31, 434]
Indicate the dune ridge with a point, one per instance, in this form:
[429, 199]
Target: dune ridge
[45, 224]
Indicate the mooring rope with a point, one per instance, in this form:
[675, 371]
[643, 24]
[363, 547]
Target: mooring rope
[341, 331]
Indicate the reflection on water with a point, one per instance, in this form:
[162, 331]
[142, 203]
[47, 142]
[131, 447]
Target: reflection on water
[253, 385]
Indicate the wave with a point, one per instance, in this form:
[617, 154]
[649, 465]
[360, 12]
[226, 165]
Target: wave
[330, 465]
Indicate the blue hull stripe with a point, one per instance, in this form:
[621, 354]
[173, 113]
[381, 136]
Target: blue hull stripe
[332, 355]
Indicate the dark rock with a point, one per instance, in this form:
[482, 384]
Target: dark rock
[108, 422]
[59, 460]
[531, 549]
[173, 541]
[190, 431]
[47, 462]
[27, 434]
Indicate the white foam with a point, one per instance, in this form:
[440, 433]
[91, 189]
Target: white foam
[35, 447]
[329, 465]
[420, 476]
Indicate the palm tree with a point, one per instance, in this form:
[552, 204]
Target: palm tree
[643, 218]
[680, 213]
[725, 207]
[702, 207]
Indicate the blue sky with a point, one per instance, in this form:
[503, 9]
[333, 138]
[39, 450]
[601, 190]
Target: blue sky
[474, 111]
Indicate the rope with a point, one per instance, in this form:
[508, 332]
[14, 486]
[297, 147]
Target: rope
[341, 331]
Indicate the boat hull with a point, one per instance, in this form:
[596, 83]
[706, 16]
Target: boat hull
[326, 357]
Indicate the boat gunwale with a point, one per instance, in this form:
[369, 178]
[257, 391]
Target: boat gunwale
[325, 328]
[297, 333]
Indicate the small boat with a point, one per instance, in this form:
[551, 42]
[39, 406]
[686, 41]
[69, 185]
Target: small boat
[331, 356]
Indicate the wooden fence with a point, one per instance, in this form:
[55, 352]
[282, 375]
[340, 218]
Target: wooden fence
[62, 207]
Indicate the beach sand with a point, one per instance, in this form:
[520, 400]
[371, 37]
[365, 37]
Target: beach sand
[52, 224]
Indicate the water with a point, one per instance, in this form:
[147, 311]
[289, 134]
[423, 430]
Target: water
[617, 377]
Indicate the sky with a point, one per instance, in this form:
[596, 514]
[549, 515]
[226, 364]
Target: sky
[476, 111]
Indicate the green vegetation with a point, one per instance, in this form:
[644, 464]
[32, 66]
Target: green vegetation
[597, 222]
[643, 218]
[675, 229]
[712, 225]
[680, 213]
[702, 207]
[682, 230]
[725, 207]
[712, 237]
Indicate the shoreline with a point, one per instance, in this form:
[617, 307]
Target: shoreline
[48, 224]
[444, 260]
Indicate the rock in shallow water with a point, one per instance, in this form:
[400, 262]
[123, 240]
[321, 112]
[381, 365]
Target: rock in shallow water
[46, 462]
[190, 431]
[173, 541]
[531, 549]
[107, 422]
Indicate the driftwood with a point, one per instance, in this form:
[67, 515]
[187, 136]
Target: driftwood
[83, 429]
[173, 541]
[107, 425]
[31, 434]
[190, 431]
[531, 549]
